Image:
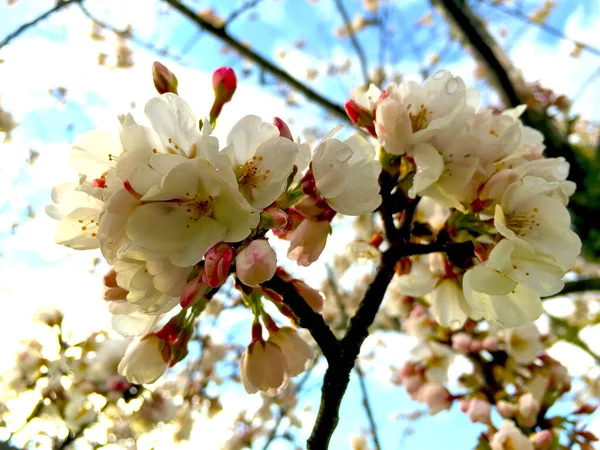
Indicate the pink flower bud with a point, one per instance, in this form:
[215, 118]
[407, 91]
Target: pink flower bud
[475, 346]
[490, 343]
[311, 296]
[256, 263]
[461, 342]
[436, 396]
[194, 290]
[275, 218]
[164, 80]
[217, 261]
[413, 384]
[479, 411]
[360, 116]
[284, 130]
[506, 409]
[224, 84]
[542, 439]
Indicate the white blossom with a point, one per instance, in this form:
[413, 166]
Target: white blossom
[346, 175]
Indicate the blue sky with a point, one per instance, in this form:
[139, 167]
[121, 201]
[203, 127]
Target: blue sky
[34, 271]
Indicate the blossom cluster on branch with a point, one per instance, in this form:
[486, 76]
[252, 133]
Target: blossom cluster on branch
[473, 225]
[175, 214]
[484, 174]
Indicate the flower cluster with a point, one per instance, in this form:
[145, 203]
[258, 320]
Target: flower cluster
[174, 213]
[485, 172]
[511, 373]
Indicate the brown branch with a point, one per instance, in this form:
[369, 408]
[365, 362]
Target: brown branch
[59, 5]
[352, 35]
[337, 375]
[221, 34]
[357, 368]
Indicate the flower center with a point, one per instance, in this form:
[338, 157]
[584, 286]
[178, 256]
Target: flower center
[420, 119]
[524, 222]
[197, 206]
[249, 175]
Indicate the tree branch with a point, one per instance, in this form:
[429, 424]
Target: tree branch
[337, 375]
[221, 34]
[59, 5]
[352, 35]
[357, 368]
[583, 285]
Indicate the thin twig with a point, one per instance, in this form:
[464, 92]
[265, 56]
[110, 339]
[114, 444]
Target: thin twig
[241, 10]
[516, 13]
[59, 5]
[353, 39]
[243, 50]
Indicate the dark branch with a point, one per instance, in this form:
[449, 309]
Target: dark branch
[357, 368]
[353, 39]
[243, 50]
[59, 5]
[583, 285]
[337, 376]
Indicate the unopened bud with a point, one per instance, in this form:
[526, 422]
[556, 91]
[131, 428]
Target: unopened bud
[360, 116]
[275, 218]
[284, 130]
[479, 411]
[256, 263]
[436, 396]
[194, 291]
[461, 342]
[490, 343]
[506, 409]
[217, 262]
[164, 80]
[224, 84]
[542, 439]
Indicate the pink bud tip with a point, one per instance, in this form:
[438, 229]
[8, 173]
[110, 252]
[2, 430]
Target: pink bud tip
[284, 130]
[224, 84]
